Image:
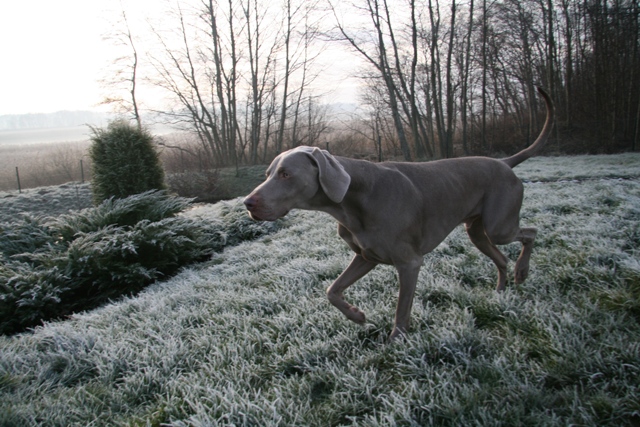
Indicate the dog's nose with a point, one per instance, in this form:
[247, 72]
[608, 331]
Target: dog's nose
[250, 202]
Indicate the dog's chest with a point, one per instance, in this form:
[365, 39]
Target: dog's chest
[374, 256]
[370, 245]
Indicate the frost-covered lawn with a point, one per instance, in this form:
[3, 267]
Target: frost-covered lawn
[50, 201]
[249, 338]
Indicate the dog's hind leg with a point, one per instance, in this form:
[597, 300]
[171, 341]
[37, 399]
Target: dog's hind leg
[526, 236]
[477, 234]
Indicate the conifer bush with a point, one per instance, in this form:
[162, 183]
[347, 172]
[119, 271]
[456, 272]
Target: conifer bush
[125, 162]
[53, 267]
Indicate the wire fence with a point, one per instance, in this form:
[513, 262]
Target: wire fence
[19, 178]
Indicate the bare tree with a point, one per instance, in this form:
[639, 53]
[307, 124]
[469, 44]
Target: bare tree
[261, 72]
[378, 57]
[297, 72]
[123, 75]
[226, 77]
[446, 77]
[177, 72]
[287, 74]
[465, 65]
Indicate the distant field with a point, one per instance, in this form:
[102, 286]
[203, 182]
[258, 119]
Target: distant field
[43, 136]
[45, 157]
[42, 156]
[249, 338]
[42, 164]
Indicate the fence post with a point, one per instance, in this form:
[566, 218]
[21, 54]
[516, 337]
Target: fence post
[18, 178]
[82, 171]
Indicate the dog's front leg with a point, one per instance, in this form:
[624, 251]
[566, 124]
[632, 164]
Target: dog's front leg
[356, 269]
[408, 275]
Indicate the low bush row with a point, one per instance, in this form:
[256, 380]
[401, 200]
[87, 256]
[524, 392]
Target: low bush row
[52, 267]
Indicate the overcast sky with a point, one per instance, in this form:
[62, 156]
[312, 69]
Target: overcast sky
[52, 52]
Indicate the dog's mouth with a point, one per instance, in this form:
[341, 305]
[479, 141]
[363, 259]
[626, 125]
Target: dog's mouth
[254, 217]
[266, 216]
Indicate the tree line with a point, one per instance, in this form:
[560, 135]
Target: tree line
[439, 78]
[458, 77]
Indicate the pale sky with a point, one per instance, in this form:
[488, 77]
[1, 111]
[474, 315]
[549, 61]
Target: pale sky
[52, 53]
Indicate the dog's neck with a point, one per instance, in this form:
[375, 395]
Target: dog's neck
[351, 207]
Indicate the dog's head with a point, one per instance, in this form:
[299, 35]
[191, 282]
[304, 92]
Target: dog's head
[294, 179]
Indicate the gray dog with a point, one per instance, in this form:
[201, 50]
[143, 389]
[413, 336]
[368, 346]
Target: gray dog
[394, 212]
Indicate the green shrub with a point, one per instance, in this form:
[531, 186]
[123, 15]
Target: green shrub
[24, 237]
[151, 205]
[125, 162]
[51, 268]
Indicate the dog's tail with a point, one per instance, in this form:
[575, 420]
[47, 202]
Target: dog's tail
[537, 145]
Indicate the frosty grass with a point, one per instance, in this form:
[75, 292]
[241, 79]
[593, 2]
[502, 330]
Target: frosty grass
[249, 337]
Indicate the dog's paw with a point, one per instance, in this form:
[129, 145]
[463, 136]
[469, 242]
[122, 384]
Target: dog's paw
[396, 335]
[522, 271]
[356, 315]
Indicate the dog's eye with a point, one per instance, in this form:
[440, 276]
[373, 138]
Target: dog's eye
[284, 175]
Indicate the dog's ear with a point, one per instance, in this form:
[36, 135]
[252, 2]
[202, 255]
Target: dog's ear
[334, 180]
